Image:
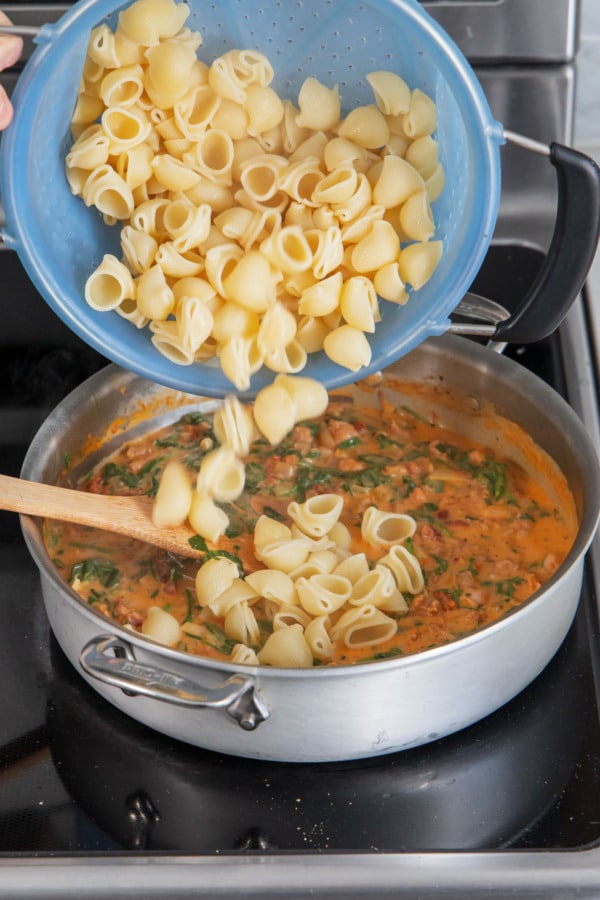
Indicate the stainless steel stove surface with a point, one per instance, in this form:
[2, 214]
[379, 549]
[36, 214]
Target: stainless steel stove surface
[93, 804]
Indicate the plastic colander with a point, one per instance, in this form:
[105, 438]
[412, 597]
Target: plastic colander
[60, 241]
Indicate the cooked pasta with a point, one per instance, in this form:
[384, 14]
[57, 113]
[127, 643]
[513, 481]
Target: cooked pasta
[336, 187]
[364, 626]
[170, 66]
[382, 528]
[322, 297]
[275, 412]
[123, 86]
[212, 156]
[173, 498]
[319, 106]
[214, 578]
[365, 126]
[354, 567]
[286, 615]
[147, 21]
[417, 262]
[139, 250]
[349, 210]
[421, 118]
[286, 647]
[415, 217]
[125, 128]
[341, 537]
[195, 111]
[273, 585]
[101, 50]
[288, 359]
[239, 591]
[270, 198]
[264, 109]
[316, 635]
[276, 330]
[379, 247]
[161, 626]
[327, 245]
[347, 346]
[317, 515]
[318, 562]
[234, 425]
[206, 518]
[423, 154]
[128, 310]
[240, 358]
[244, 655]
[172, 174]
[323, 594]
[405, 568]
[285, 555]
[309, 397]
[358, 303]
[154, 296]
[369, 532]
[251, 282]
[396, 180]
[175, 264]
[315, 544]
[287, 249]
[109, 285]
[392, 93]
[389, 285]
[240, 623]
[268, 531]
[108, 192]
[221, 475]
[168, 340]
[91, 149]
[194, 322]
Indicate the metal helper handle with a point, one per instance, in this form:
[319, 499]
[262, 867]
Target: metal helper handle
[572, 248]
[20, 30]
[486, 314]
[109, 659]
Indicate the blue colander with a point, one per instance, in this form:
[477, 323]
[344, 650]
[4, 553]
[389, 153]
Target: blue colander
[60, 241]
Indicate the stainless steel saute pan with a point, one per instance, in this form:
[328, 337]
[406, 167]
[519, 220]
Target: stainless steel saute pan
[321, 714]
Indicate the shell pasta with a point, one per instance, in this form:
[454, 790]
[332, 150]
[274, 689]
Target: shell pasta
[314, 588]
[279, 203]
[372, 531]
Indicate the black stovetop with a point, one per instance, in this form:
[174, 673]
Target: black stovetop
[79, 777]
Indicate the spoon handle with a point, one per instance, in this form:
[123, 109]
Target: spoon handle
[129, 516]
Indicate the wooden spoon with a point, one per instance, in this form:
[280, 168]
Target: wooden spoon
[130, 516]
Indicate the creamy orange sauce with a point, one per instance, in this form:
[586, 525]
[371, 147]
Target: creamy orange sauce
[490, 530]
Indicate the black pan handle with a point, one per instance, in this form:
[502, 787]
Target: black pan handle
[571, 251]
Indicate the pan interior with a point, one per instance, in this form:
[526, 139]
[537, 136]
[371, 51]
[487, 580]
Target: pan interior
[139, 407]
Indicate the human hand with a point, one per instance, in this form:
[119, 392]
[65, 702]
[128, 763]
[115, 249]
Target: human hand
[10, 51]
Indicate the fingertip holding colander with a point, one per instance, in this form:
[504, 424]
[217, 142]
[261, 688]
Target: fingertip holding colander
[60, 241]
